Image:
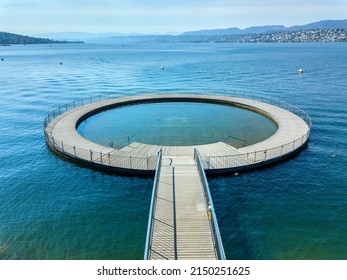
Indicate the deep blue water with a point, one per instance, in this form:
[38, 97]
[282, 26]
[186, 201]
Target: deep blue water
[52, 209]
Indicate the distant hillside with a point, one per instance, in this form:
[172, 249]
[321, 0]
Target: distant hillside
[73, 36]
[10, 38]
[325, 24]
[125, 38]
[236, 31]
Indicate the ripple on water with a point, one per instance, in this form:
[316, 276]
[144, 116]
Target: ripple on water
[52, 209]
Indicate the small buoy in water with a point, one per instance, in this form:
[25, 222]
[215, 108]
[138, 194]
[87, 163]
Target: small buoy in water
[162, 67]
[2, 59]
[301, 71]
[236, 174]
[61, 63]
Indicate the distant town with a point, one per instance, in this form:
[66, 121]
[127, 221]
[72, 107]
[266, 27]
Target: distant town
[315, 35]
[321, 31]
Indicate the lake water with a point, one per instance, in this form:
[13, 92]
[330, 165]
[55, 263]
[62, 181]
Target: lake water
[53, 209]
[177, 123]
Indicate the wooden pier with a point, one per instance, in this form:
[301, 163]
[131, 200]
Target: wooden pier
[182, 223]
[181, 219]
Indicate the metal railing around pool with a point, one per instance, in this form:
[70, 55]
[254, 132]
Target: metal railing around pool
[209, 162]
[75, 104]
[104, 159]
[231, 93]
[253, 158]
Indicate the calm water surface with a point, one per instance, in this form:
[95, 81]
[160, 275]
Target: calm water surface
[177, 123]
[52, 209]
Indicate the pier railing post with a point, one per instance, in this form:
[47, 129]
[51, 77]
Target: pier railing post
[91, 155]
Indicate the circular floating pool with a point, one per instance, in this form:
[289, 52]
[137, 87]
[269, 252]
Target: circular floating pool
[177, 124]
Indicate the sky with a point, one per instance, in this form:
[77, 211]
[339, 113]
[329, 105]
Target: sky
[160, 17]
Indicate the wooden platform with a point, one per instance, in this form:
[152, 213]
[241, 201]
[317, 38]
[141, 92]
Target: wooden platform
[181, 227]
[292, 134]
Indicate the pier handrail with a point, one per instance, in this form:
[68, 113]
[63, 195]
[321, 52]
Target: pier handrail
[99, 158]
[253, 157]
[209, 205]
[244, 142]
[152, 207]
[115, 143]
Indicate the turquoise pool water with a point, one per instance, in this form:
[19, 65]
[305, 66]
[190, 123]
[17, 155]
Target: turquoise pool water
[177, 123]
